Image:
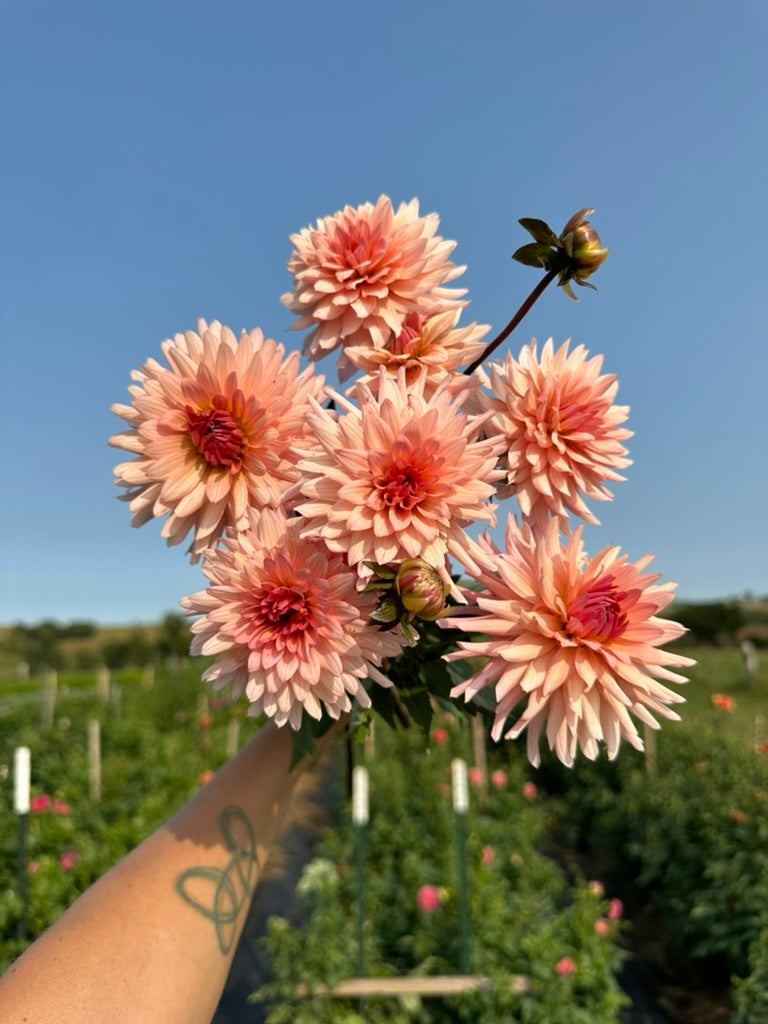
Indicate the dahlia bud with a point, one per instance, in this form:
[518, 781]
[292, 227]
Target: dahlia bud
[573, 255]
[421, 589]
[582, 243]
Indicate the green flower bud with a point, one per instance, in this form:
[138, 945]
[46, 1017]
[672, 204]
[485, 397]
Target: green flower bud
[421, 589]
[574, 254]
[583, 246]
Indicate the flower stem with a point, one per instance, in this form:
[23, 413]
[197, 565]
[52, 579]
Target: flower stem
[537, 291]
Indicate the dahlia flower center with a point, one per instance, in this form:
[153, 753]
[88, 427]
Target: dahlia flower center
[216, 434]
[597, 613]
[283, 608]
[401, 486]
[408, 341]
[361, 251]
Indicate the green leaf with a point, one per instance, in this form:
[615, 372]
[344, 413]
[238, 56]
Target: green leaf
[540, 230]
[533, 255]
[381, 570]
[387, 612]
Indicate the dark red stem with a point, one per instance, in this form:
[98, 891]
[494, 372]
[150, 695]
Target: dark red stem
[537, 291]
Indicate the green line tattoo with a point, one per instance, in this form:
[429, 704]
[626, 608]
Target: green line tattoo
[218, 894]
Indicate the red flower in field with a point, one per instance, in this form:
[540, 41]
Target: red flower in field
[475, 776]
[33, 867]
[61, 808]
[602, 927]
[428, 899]
[219, 430]
[204, 721]
[574, 638]
[40, 804]
[565, 966]
[615, 910]
[722, 702]
[439, 736]
[498, 779]
[488, 856]
[68, 859]
[360, 272]
[205, 777]
[530, 791]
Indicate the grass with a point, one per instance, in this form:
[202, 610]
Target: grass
[721, 670]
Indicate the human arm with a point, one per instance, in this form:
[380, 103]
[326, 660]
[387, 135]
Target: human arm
[154, 938]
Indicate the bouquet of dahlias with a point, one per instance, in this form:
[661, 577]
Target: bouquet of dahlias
[332, 526]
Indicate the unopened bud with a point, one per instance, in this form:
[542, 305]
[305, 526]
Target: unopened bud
[421, 589]
[583, 245]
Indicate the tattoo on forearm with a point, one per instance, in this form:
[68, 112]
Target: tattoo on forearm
[218, 894]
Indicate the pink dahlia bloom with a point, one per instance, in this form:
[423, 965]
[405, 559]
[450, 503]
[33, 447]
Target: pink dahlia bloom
[217, 432]
[564, 434]
[360, 272]
[286, 623]
[574, 638]
[430, 341]
[399, 476]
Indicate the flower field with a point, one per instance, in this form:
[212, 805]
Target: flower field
[689, 839]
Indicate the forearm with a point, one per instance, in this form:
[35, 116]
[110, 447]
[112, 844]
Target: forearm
[154, 938]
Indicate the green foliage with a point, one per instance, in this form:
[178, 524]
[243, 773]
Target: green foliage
[152, 759]
[692, 838]
[713, 622]
[524, 916]
[750, 995]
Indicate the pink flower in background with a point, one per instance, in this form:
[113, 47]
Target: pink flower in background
[475, 777]
[596, 888]
[576, 638]
[68, 859]
[286, 623]
[615, 910]
[33, 867]
[219, 431]
[399, 477]
[434, 342]
[487, 857]
[61, 808]
[40, 804]
[428, 899]
[602, 927]
[563, 432]
[359, 273]
[565, 966]
[439, 737]
[205, 777]
[499, 779]
[530, 791]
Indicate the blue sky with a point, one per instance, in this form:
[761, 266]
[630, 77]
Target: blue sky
[156, 156]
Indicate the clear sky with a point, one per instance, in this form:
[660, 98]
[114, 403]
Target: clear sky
[156, 156]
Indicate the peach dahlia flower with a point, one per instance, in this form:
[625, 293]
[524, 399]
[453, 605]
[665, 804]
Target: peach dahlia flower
[360, 272]
[575, 638]
[285, 621]
[399, 476]
[430, 341]
[216, 432]
[564, 434]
